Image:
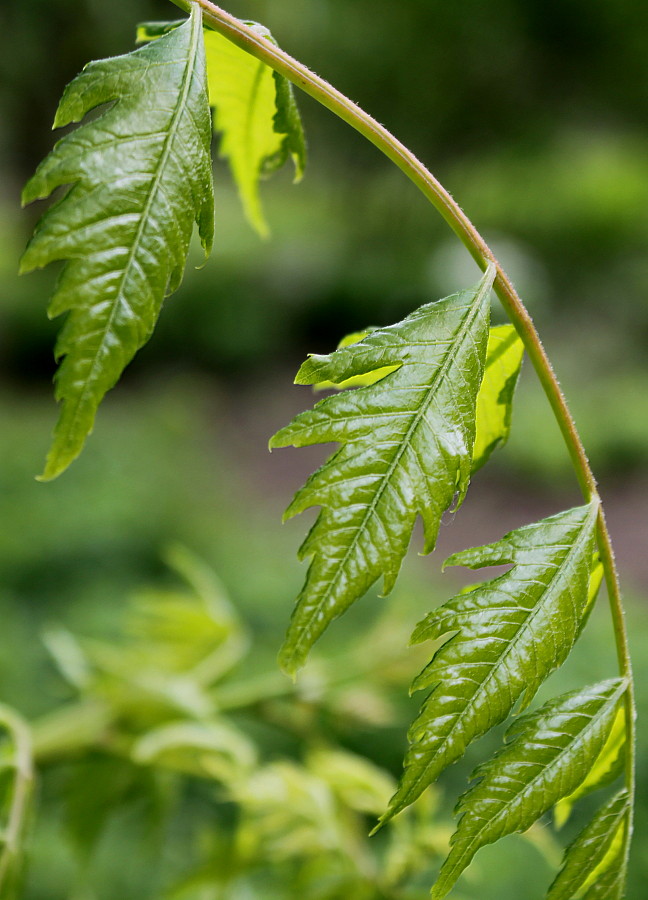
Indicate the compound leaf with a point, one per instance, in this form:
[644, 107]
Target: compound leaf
[510, 634]
[495, 400]
[140, 174]
[597, 856]
[406, 450]
[550, 753]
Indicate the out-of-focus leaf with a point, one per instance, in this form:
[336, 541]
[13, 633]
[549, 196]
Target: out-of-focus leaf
[214, 749]
[140, 175]
[69, 657]
[16, 785]
[358, 783]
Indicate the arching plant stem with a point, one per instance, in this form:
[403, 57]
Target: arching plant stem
[247, 38]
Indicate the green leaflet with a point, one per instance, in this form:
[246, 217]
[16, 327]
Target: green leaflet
[510, 634]
[606, 769]
[495, 400]
[550, 753]
[256, 114]
[406, 450]
[356, 380]
[596, 858]
[140, 174]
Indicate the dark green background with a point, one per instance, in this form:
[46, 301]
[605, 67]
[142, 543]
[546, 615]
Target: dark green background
[533, 114]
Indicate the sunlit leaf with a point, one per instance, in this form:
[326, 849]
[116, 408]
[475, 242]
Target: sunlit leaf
[595, 860]
[256, 115]
[509, 635]
[140, 175]
[495, 398]
[549, 755]
[406, 451]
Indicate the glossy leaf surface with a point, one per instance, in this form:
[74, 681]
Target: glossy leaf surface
[256, 115]
[510, 634]
[140, 175]
[607, 767]
[595, 858]
[406, 451]
[550, 753]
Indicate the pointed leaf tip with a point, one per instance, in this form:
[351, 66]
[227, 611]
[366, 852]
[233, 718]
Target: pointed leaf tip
[547, 756]
[405, 451]
[500, 640]
[145, 153]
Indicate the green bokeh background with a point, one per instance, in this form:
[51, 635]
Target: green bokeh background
[535, 116]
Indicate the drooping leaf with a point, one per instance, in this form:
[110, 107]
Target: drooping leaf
[495, 400]
[596, 855]
[606, 769]
[549, 754]
[256, 114]
[140, 174]
[406, 450]
[510, 634]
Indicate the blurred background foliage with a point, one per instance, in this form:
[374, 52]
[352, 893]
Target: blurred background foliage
[535, 116]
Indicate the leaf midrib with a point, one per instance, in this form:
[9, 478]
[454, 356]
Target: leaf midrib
[416, 419]
[196, 27]
[524, 628]
[609, 701]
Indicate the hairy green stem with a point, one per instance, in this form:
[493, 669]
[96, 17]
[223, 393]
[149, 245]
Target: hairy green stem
[261, 48]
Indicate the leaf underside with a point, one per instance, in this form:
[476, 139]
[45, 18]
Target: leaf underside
[256, 115]
[495, 399]
[549, 755]
[139, 176]
[510, 633]
[406, 451]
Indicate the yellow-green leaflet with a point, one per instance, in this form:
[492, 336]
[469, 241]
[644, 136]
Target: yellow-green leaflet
[495, 399]
[256, 114]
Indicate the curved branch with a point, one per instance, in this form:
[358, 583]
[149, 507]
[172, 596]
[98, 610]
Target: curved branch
[260, 47]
